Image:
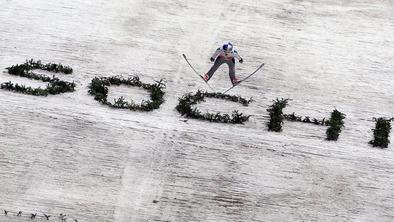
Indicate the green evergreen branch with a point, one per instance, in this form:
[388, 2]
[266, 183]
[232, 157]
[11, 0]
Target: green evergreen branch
[294, 118]
[186, 102]
[381, 132]
[99, 89]
[55, 85]
[335, 124]
[276, 114]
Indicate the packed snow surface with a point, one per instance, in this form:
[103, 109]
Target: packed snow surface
[70, 154]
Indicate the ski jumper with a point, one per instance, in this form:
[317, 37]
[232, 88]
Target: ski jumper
[223, 55]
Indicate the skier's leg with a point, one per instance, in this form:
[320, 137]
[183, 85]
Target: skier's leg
[231, 72]
[213, 69]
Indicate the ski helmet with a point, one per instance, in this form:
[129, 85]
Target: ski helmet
[228, 47]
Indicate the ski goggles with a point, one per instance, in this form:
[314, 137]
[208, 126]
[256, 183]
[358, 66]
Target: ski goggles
[228, 48]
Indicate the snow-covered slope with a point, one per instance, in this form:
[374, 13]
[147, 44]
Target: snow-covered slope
[69, 154]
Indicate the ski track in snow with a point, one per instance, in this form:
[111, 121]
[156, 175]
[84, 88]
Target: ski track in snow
[69, 154]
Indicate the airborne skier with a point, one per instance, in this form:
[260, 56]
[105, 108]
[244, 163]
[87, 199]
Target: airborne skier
[225, 54]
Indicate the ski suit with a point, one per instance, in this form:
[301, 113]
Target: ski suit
[224, 56]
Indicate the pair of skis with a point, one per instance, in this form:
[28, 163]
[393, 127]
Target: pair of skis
[247, 77]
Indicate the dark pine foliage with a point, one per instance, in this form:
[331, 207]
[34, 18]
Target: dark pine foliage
[335, 125]
[99, 89]
[21, 69]
[306, 119]
[381, 132]
[24, 89]
[187, 101]
[276, 114]
[55, 85]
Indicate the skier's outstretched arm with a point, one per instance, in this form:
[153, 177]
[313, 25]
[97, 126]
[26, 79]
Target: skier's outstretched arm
[236, 55]
[215, 54]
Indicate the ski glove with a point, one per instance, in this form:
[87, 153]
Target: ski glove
[241, 60]
[212, 59]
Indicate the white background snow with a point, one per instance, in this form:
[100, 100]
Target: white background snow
[69, 154]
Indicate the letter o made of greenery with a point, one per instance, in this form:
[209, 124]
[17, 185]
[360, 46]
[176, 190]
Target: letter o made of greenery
[188, 100]
[55, 85]
[99, 89]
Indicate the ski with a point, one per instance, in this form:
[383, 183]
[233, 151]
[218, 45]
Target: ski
[247, 77]
[184, 56]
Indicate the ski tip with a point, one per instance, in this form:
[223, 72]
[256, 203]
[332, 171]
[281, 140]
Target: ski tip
[184, 56]
[261, 66]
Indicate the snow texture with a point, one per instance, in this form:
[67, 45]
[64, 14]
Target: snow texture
[70, 154]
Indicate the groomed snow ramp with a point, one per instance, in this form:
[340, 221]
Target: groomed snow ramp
[69, 154]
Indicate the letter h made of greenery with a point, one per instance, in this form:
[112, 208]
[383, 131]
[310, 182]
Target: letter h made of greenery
[335, 123]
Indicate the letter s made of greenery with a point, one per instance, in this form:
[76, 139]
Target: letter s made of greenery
[55, 85]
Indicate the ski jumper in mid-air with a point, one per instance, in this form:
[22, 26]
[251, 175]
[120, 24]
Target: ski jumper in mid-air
[225, 54]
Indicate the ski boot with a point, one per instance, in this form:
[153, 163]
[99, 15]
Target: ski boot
[205, 77]
[235, 81]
